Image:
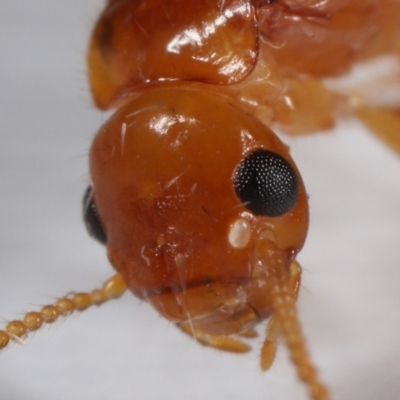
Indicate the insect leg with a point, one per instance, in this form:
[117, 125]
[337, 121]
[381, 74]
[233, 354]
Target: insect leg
[384, 123]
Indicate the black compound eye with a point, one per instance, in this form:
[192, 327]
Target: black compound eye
[91, 217]
[266, 183]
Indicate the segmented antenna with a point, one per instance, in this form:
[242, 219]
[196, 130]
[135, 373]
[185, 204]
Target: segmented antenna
[17, 330]
[286, 322]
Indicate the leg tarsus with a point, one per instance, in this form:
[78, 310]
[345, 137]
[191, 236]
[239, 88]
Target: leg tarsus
[384, 123]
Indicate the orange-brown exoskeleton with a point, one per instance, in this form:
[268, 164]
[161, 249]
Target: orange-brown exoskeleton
[199, 204]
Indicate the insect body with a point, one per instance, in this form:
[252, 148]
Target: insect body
[155, 169]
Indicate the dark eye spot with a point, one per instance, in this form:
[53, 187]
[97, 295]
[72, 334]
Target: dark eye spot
[266, 183]
[91, 217]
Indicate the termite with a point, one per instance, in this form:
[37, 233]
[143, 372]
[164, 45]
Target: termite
[318, 144]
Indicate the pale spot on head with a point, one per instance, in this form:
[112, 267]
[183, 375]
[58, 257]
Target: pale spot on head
[239, 234]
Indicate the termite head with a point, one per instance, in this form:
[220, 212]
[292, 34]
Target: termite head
[190, 194]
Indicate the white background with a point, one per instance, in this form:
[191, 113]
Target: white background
[349, 302]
